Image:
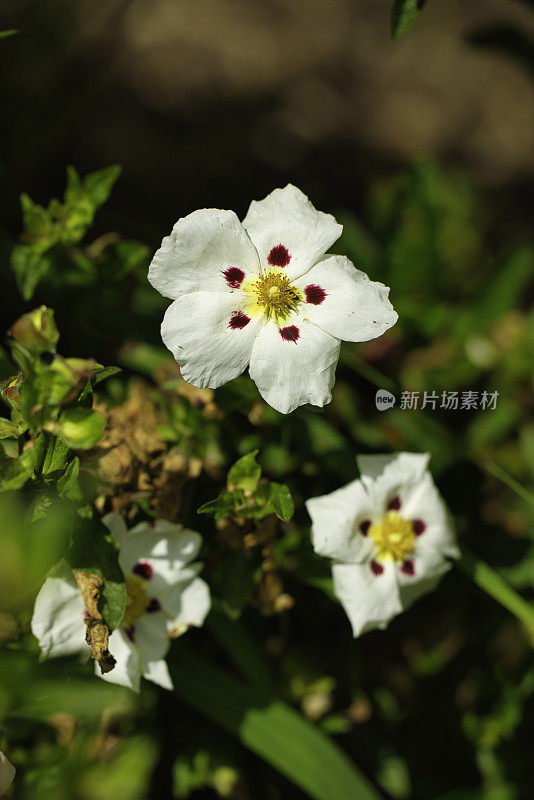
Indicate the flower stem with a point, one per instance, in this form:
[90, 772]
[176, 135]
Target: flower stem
[493, 584]
[511, 482]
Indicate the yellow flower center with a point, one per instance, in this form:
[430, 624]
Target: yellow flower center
[137, 600]
[275, 295]
[394, 537]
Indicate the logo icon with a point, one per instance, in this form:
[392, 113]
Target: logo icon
[384, 400]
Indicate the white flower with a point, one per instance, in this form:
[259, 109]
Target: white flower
[7, 773]
[263, 294]
[389, 534]
[165, 597]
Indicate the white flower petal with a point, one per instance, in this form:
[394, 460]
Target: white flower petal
[158, 672]
[160, 553]
[127, 670]
[194, 603]
[117, 525]
[211, 336]
[7, 773]
[335, 523]
[429, 567]
[370, 601]
[286, 217]
[58, 616]
[294, 363]
[344, 302]
[200, 249]
[407, 466]
[150, 637]
[421, 501]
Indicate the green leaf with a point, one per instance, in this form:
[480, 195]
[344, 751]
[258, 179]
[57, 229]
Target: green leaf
[98, 185]
[270, 728]
[81, 428]
[281, 501]
[220, 507]
[51, 454]
[30, 267]
[15, 472]
[5, 34]
[403, 15]
[93, 549]
[245, 473]
[8, 429]
[67, 485]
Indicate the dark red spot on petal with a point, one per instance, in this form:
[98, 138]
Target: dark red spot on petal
[153, 606]
[234, 277]
[395, 503]
[314, 294]
[364, 527]
[238, 320]
[290, 334]
[130, 633]
[418, 526]
[408, 567]
[376, 568]
[143, 569]
[279, 256]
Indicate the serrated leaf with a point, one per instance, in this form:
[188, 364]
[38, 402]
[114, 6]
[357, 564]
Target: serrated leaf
[246, 473]
[403, 15]
[93, 549]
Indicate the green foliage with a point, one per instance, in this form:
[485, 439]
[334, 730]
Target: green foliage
[403, 16]
[246, 497]
[270, 728]
[59, 225]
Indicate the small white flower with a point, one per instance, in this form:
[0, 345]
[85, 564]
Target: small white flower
[165, 597]
[7, 773]
[389, 534]
[263, 294]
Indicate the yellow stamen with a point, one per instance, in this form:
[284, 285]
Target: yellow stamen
[394, 537]
[137, 600]
[275, 295]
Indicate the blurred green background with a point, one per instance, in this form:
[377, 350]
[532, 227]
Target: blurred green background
[423, 149]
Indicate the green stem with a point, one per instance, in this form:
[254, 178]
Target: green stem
[506, 478]
[493, 584]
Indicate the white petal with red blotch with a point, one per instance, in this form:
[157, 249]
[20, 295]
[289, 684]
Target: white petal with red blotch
[384, 475]
[160, 554]
[58, 615]
[405, 476]
[429, 566]
[127, 670]
[370, 601]
[336, 520]
[288, 219]
[200, 331]
[344, 302]
[7, 773]
[294, 363]
[201, 248]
